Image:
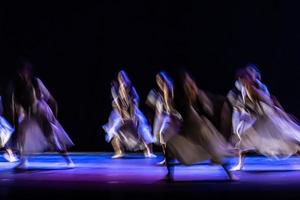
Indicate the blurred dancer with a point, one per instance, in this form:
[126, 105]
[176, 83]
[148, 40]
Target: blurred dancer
[6, 130]
[127, 126]
[259, 122]
[167, 120]
[37, 127]
[198, 139]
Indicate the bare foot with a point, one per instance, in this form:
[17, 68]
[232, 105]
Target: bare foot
[237, 168]
[119, 155]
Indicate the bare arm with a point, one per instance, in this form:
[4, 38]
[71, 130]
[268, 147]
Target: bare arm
[167, 99]
[46, 95]
[261, 95]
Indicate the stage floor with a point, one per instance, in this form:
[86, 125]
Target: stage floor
[136, 177]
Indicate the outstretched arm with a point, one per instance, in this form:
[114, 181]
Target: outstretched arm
[46, 95]
[261, 95]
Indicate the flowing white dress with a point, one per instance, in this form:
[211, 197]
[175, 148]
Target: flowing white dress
[6, 129]
[262, 127]
[166, 124]
[133, 131]
[40, 130]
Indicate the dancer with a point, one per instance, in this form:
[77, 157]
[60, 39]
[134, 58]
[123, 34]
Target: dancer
[37, 128]
[198, 139]
[6, 130]
[127, 126]
[259, 122]
[166, 120]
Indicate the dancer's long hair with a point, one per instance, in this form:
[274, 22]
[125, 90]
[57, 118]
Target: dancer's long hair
[166, 89]
[190, 88]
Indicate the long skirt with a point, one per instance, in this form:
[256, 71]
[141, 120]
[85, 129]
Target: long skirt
[132, 133]
[41, 131]
[198, 140]
[273, 134]
[6, 131]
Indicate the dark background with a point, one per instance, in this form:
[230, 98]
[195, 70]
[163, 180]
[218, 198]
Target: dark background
[78, 48]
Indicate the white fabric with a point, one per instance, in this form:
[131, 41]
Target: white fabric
[5, 131]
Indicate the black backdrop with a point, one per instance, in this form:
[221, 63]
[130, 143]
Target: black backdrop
[77, 48]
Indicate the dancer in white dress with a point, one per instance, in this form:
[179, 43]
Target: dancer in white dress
[6, 131]
[127, 126]
[37, 129]
[167, 120]
[259, 122]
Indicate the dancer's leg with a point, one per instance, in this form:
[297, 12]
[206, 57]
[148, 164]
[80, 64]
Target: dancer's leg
[231, 176]
[67, 158]
[23, 162]
[163, 162]
[240, 164]
[115, 142]
[170, 167]
[9, 155]
[148, 152]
